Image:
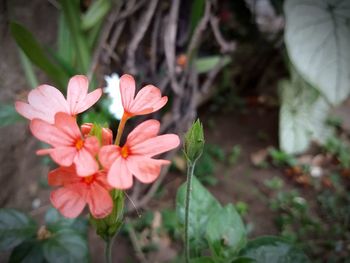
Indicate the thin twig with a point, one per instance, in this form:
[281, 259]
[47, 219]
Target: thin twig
[138, 36]
[154, 41]
[225, 46]
[134, 241]
[170, 45]
[131, 9]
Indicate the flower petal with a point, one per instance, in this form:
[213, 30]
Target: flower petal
[49, 133]
[119, 175]
[107, 136]
[156, 145]
[48, 100]
[63, 155]
[99, 200]
[92, 144]
[143, 131]
[108, 154]
[89, 100]
[63, 176]
[85, 163]
[127, 90]
[68, 125]
[69, 201]
[77, 91]
[146, 170]
[147, 100]
[86, 128]
[29, 112]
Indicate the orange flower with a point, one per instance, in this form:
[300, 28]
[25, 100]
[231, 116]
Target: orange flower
[75, 192]
[69, 146]
[147, 100]
[135, 157]
[45, 101]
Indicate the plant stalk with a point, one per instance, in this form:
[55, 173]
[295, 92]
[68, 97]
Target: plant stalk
[190, 172]
[108, 249]
[121, 128]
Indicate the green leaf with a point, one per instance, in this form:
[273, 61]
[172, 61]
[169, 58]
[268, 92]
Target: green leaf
[28, 252]
[197, 11]
[317, 37]
[33, 50]
[226, 234]
[95, 14]
[72, 15]
[64, 41]
[202, 206]
[28, 70]
[15, 227]
[55, 222]
[205, 64]
[273, 249]
[8, 115]
[194, 142]
[303, 115]
[66, 246]
[202, 260]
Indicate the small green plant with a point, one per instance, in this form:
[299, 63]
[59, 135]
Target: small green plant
[281, 158]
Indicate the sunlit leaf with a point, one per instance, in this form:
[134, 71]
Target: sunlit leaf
[317, 36]
[15, 227]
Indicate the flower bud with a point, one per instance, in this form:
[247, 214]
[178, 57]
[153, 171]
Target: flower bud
[108, 226]
[194, 142]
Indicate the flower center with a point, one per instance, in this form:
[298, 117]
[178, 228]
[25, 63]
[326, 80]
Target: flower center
[88, 179]
[79, 144]
[125, 152]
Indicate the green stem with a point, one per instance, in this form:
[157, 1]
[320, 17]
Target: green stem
[190, 171]
[108, 249]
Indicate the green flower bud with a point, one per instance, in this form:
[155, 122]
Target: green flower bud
[194, 142]
[108, 226]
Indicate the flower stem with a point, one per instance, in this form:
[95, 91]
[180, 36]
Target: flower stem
[121, 128]
[190, 172]
[108, 249]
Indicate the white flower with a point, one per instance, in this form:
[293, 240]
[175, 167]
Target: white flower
[113, 91]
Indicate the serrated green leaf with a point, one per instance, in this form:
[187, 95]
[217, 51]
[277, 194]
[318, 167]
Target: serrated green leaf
[205, 64]
[95, 14]
[66, 246]
[317, 37]
[15, 227]
[8, 115]
[303, 115]
[28, 252]
[273, 249]
[225, 233]
[33, 50]
[203, 205]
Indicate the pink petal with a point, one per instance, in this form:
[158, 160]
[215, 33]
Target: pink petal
[99, 201]
[86, 128]
[108, 154]
[68, 125]
[89, 100]
[127, 90]
[119, 175]
[101, 178]
[69, 201]
[92, 144]
[146, 100]
[63, 155]
[77, 91]
[146, 170]
[49, 133]
[143, 131]
[27, 111]
[48, 100]
[85, 163]
[63, 176]
[156, 145]
[107, 136]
